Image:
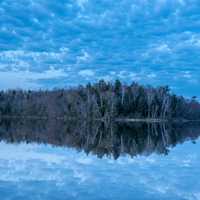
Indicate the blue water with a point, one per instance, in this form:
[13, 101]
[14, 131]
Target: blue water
[51, 43]
[43, 172]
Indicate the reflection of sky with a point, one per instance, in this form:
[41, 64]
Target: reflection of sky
[55, 43]
[42, 172]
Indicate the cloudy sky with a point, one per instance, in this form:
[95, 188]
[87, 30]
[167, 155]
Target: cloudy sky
[45, 44]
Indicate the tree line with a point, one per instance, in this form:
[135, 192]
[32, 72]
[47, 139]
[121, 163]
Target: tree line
[100, 101]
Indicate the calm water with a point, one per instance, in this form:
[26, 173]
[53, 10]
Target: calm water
[89, 161]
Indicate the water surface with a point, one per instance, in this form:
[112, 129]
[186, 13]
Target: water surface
[125, 161]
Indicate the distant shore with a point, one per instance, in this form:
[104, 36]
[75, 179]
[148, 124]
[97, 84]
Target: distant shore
[145, 120]
[101, 101]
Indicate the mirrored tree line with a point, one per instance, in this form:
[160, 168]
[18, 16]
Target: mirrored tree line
[99, 138]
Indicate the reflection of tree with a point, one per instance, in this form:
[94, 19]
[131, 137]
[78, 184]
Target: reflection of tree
[100, 138]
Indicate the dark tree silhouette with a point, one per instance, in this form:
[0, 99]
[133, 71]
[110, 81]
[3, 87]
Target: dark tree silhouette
[100, 101]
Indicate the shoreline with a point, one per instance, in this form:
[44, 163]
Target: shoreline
[134, 120]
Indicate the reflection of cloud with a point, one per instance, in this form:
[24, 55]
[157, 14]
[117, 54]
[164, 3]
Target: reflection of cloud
[18, 153]
[163, 177]
[80, 175]
[84, 161]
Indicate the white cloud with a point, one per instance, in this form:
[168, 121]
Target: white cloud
[86, 72]
[151, 75]
[21, 58]
[195, 40]
[106, 78]
[36, 20]
[81, 3]
[197, 195]
[51, 73]
[84, 57]
[123, 74]
[182, 2]
[187, 75]
[163, 48]
[28, 79]
[155, 50]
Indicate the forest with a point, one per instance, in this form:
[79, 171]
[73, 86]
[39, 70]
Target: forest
[105, 101]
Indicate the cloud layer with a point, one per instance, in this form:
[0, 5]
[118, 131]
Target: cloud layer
[153, 42]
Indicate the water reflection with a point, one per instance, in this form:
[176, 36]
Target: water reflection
[31, 169]
[112, 140]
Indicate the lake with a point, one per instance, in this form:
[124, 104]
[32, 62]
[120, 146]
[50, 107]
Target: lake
[60, 160]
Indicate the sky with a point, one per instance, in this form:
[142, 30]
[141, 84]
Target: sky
[62, 43]
[33, 171]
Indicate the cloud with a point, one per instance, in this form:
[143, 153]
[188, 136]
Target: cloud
[29, 79]
[84, 57]
[139, 37]
[187, 74]
[82, 3]
[152, 75]
[195, 41]
[86, 73]
[163, 48]
[182, 2]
